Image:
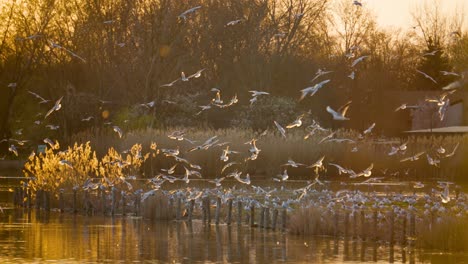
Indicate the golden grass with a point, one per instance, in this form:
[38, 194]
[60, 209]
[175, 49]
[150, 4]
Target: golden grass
[276, 150]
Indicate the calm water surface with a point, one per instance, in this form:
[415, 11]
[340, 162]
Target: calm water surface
[27, 237]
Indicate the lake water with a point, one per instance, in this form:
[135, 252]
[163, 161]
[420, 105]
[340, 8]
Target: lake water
[37, 237]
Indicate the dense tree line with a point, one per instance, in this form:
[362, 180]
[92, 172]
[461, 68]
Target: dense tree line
[109, 57]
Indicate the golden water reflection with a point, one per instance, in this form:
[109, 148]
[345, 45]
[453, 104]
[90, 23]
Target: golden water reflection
[40, 237]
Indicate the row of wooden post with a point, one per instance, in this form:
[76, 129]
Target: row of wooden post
[268, 217]
[265, 215]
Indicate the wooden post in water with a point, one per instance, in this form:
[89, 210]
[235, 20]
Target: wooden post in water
[412, 224]
[208, 209]
[124, 202]
[178, 208]
[375, 225]
[275, 218]
[28, 197]
[346, 224]
[103, 201]
[403, 230]
[229, 213]
[47, 201]
[284, 217]
[262, 218]
[113, 200]
[191, 208]
[86, 202]
[355, 221]
[218, 210]
[74, 200]
[336, 221]
[267, 218]
[363, 225]
[252, 215]
[38, 199]
[239, 212]
[61, 201]
[137, 204]
[204, 210]
[392, 227]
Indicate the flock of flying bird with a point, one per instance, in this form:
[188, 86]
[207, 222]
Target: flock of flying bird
[339, 115]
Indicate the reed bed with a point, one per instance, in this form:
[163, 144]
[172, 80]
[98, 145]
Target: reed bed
[276, 150]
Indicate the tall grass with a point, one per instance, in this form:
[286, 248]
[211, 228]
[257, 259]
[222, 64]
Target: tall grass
[276, 150]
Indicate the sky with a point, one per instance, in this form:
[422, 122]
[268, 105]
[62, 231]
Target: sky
[397, 13]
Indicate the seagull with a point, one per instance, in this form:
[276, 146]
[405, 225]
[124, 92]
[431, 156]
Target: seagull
[203, 108]
[257, 93]
[369, 130]
[312, 89]
[292, 163]
[170, 84]
[453, 151]
[340, 169]
[118, 130]
[418, 185]
[443, 109]
[66, 163]
[197, 74]
[427, 76]
[319, 73]
[366, 173]
[296, 123]
[55, 45]
[352, 75]
[13, 149]
[432, 53]
[280, 129]
[228, 165]
[246, 180]
[406, 106]
[217, 100]
[445, 195]
[282, 177]
[50, 142]
[224, 156]
[87, 119]
[52, 127]
[356, 61]
[43, 101]
[56, 107]
[340, 115]
[186, 12]
[413, 158]
[217, 181]
[432, 161]
[328, 137]
[318, 164]
[234, 22]
[450, 73]
[171, 170]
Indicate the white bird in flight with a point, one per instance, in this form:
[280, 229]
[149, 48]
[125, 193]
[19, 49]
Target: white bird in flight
[280, 129]
[56, 107]
[356, 61]
[296, 123]
[312, 89]
[234, 22]
[340, 114]
[118, 131]
[184, 14]
[427, 76]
